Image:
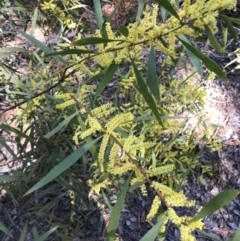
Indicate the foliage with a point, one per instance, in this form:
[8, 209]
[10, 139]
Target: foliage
[103, 111]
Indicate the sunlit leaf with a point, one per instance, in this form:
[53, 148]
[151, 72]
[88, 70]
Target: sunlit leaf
[98, 11]
[153, 232]
[237, 235]
[216, 203]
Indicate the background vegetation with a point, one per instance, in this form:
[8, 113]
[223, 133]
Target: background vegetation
[108, 107]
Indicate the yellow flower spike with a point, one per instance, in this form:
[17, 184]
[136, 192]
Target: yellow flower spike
[102, 151]
[154, 208]
[160, 170]
[119, 170]
[65, 104]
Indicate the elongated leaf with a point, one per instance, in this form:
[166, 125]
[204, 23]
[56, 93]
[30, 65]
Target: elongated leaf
[140, 9]
[106, 79]
[147, 96]
[5, 229]
[4, 143]
[231, 29]
[124, 30]
[42, 46]
[71, 51]
[153, 232]
[214, 41]
[98, 11]
[167, 5]
[116, 7]
[210, 235]
[34, 21]
[193, 58]
[115, 215]
[61, 125]
[92, 40]
[136, 185]
[216, 203]
[225, 35]
[63, 166]
[152, 79]
[233, 20]
[210, 64]
[9, 178]
[24, 232]
[237, 235]
[47, 234]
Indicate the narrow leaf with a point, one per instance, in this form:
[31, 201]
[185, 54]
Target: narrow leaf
[9, 178]
[106, 79]
[233, 32]
[116, 212]
[216, 203]
[34, 21]
[233, 20]
[214, 41]
[237, 235]
[124, 30]
[92, 40]
[71, 51]
[24, 232]
[152, 79]
[193, 58]
[5, 229]
[140, 9]
[153, 232]
[40, 45]
[136, 185]
[210, 64]
[167, 5]
[47, 234]
[61, 125]
[98, 12]
[61, 167]
[147, 96]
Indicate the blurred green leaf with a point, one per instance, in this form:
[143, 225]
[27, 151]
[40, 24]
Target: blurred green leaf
[71, 51]
[147, 96]
[237, 235]
[210, 64]
[210, 235]
[225, 35]
[193, 58]
[124, 30]
[140, 9]
[24, 232]
[216, 203]
[34, 20]
[167, 5]
[3, 142]
[98, 11]
[63, 166]
[233, 20]
[153, 232]
[152, 79]
[116, 212]
[136, 185]
[61, 125]
[233, 32]
[92, 40]
[5, 229]
[214, 41]
[47, 234]
[9, 178]
[42, 46]
[106, 79]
